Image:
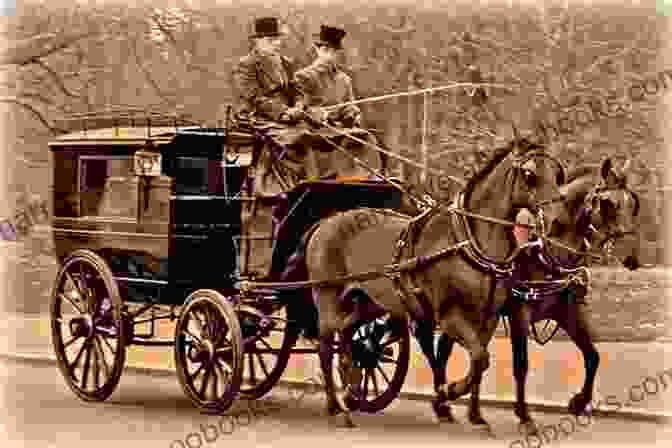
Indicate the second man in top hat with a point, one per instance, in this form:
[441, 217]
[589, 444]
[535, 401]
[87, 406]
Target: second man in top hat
[324, 83]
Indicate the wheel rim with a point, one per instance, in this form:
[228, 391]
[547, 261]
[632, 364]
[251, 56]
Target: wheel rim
[207, 354]
[267, 345]
[87, 338]
[382, 379]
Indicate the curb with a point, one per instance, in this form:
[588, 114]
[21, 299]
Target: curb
[536, 406]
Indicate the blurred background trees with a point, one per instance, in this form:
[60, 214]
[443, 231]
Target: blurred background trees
[554, 56]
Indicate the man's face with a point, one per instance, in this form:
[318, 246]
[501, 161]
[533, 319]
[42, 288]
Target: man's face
[325, 53]
[270, 44]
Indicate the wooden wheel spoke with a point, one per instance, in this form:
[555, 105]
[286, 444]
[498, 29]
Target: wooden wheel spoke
[389, 360]
[376, 389]
[65, 297]
[366, 383]
[70, 341]
[253, 375]
[101, 355]
[382, 372]
[198, 340]
[215, 382]
[87, 364]
[390, 341]
[268, 346]
[96, 366]
[192, 376]
[74, 364]
[204, 383]
[225, 375]
[112, 350]
[262, 363]
[76, 284]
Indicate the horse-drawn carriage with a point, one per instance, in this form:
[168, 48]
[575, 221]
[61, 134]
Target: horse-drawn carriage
[147, 226]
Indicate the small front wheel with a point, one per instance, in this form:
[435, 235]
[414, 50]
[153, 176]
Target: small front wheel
[209, 350]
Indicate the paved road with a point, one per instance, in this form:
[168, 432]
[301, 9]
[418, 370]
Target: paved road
[150, 411]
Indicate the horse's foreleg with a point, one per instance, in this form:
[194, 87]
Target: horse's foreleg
[475, 416]
[424, 334]
[326, 355]
[577, 326]
[520, 327]
[455, 326]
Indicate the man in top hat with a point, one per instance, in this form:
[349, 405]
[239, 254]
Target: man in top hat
[324, 83]
[262, 78]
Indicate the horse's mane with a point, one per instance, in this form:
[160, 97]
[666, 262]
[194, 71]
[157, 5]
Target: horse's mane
[498, 156]
[580, 171]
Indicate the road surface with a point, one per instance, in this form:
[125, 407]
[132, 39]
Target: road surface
[151, 411]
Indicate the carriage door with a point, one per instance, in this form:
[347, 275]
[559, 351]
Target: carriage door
[204, 221]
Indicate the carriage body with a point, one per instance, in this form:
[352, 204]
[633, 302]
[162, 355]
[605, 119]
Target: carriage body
[163, 233]
[153, 218]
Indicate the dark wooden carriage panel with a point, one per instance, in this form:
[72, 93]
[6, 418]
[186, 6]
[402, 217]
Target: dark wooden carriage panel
[188, 215]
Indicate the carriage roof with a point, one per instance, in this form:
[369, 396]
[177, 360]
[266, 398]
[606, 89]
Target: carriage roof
[166, 138]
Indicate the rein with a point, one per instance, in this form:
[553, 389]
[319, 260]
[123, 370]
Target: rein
[428, 200]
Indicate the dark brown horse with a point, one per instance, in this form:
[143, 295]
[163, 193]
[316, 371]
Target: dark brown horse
[598, 209]
[449, 292]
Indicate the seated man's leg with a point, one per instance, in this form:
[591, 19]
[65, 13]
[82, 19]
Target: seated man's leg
[257, 243]
[364, 152]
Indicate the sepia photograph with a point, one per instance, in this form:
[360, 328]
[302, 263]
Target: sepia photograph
[348, 223]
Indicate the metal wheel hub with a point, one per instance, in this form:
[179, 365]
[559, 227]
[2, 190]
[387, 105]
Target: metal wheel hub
[81, 326]
[202, 354]
[367, 350]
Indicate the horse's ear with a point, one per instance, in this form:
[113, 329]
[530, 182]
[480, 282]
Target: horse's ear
[606, 168]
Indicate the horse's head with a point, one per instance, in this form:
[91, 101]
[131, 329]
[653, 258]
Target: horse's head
[614, 207]
[602, 212]
[536, 178]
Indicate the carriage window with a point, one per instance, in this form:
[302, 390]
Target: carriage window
[107, 186]
[198, 176]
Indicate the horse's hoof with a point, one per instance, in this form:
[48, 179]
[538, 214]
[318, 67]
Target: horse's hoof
[477, 420]
[579, 406]
[451, 393]
[343, 420]
[528, 428]
[351, 402]
[484, 428]
[443, 412]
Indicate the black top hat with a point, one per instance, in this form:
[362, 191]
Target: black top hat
[266, 27]
[330, 36]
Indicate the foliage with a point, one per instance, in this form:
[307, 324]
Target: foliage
[75, 58]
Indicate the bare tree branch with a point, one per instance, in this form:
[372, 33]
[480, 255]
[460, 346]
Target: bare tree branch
[25, 51]
[57, 79]
[29, 107]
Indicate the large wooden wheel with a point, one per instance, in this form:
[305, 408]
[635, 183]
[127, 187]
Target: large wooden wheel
[268, 343]
[382, 349]
[88, 336]
[208, 350]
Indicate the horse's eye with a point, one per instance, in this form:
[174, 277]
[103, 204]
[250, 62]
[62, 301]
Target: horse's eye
[530, 177]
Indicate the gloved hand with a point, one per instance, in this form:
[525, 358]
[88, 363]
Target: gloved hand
[317, 114]
[292, 115]
[354, 121]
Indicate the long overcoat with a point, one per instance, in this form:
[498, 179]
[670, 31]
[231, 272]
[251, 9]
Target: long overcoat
[322, 84]
[263, 85]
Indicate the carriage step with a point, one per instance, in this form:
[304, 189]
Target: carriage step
[152, 342]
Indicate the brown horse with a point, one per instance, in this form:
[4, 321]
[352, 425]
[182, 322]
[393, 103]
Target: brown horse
[598, 209]
[451, 290]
